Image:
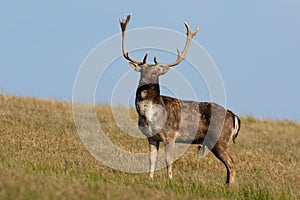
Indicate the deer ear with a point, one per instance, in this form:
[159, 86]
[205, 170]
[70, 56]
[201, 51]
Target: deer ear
[135, 66]
[163, 69]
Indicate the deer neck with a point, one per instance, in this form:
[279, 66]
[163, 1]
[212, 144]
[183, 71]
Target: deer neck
[148, 92]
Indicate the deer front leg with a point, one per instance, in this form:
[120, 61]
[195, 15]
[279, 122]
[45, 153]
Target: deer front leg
[153, 148]
[169, 151]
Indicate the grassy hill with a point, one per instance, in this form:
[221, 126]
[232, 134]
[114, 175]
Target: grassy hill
[42, 157]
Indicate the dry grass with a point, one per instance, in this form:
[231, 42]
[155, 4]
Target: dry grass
[42, 157]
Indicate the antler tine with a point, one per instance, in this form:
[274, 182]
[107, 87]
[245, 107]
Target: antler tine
[124, 24]
[190, 35]
[181, 55]
[155, 61]
[145, 58]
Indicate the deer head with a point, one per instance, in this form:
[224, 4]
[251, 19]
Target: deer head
[151, 72]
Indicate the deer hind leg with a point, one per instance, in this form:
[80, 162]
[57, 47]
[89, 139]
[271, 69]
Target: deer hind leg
[223, 155]
[153, 148]
[169, 152]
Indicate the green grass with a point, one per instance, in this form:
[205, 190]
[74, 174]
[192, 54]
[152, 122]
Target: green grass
[42, 157]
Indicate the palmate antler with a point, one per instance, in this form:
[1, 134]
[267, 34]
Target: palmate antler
[180, 55]
[124, 24]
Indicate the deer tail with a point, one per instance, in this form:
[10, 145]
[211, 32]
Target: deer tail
[236, 127]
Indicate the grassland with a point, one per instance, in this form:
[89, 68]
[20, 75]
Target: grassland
[42, 157]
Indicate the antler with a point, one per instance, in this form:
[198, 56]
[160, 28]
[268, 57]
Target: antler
[124, 23]
[181, 55]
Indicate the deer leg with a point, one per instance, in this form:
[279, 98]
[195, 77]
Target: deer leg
[169, 151]
[224, 156]
[153, 148]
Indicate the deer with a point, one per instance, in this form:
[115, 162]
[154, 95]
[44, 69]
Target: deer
[170, 120]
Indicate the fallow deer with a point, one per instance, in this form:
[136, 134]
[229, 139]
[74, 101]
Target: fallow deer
[169, 120]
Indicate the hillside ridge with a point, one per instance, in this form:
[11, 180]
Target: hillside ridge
[42, 157]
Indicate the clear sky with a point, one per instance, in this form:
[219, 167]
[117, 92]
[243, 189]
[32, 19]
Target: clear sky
[255, 45]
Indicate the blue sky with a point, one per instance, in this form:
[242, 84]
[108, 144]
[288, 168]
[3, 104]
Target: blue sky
[255, 44]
